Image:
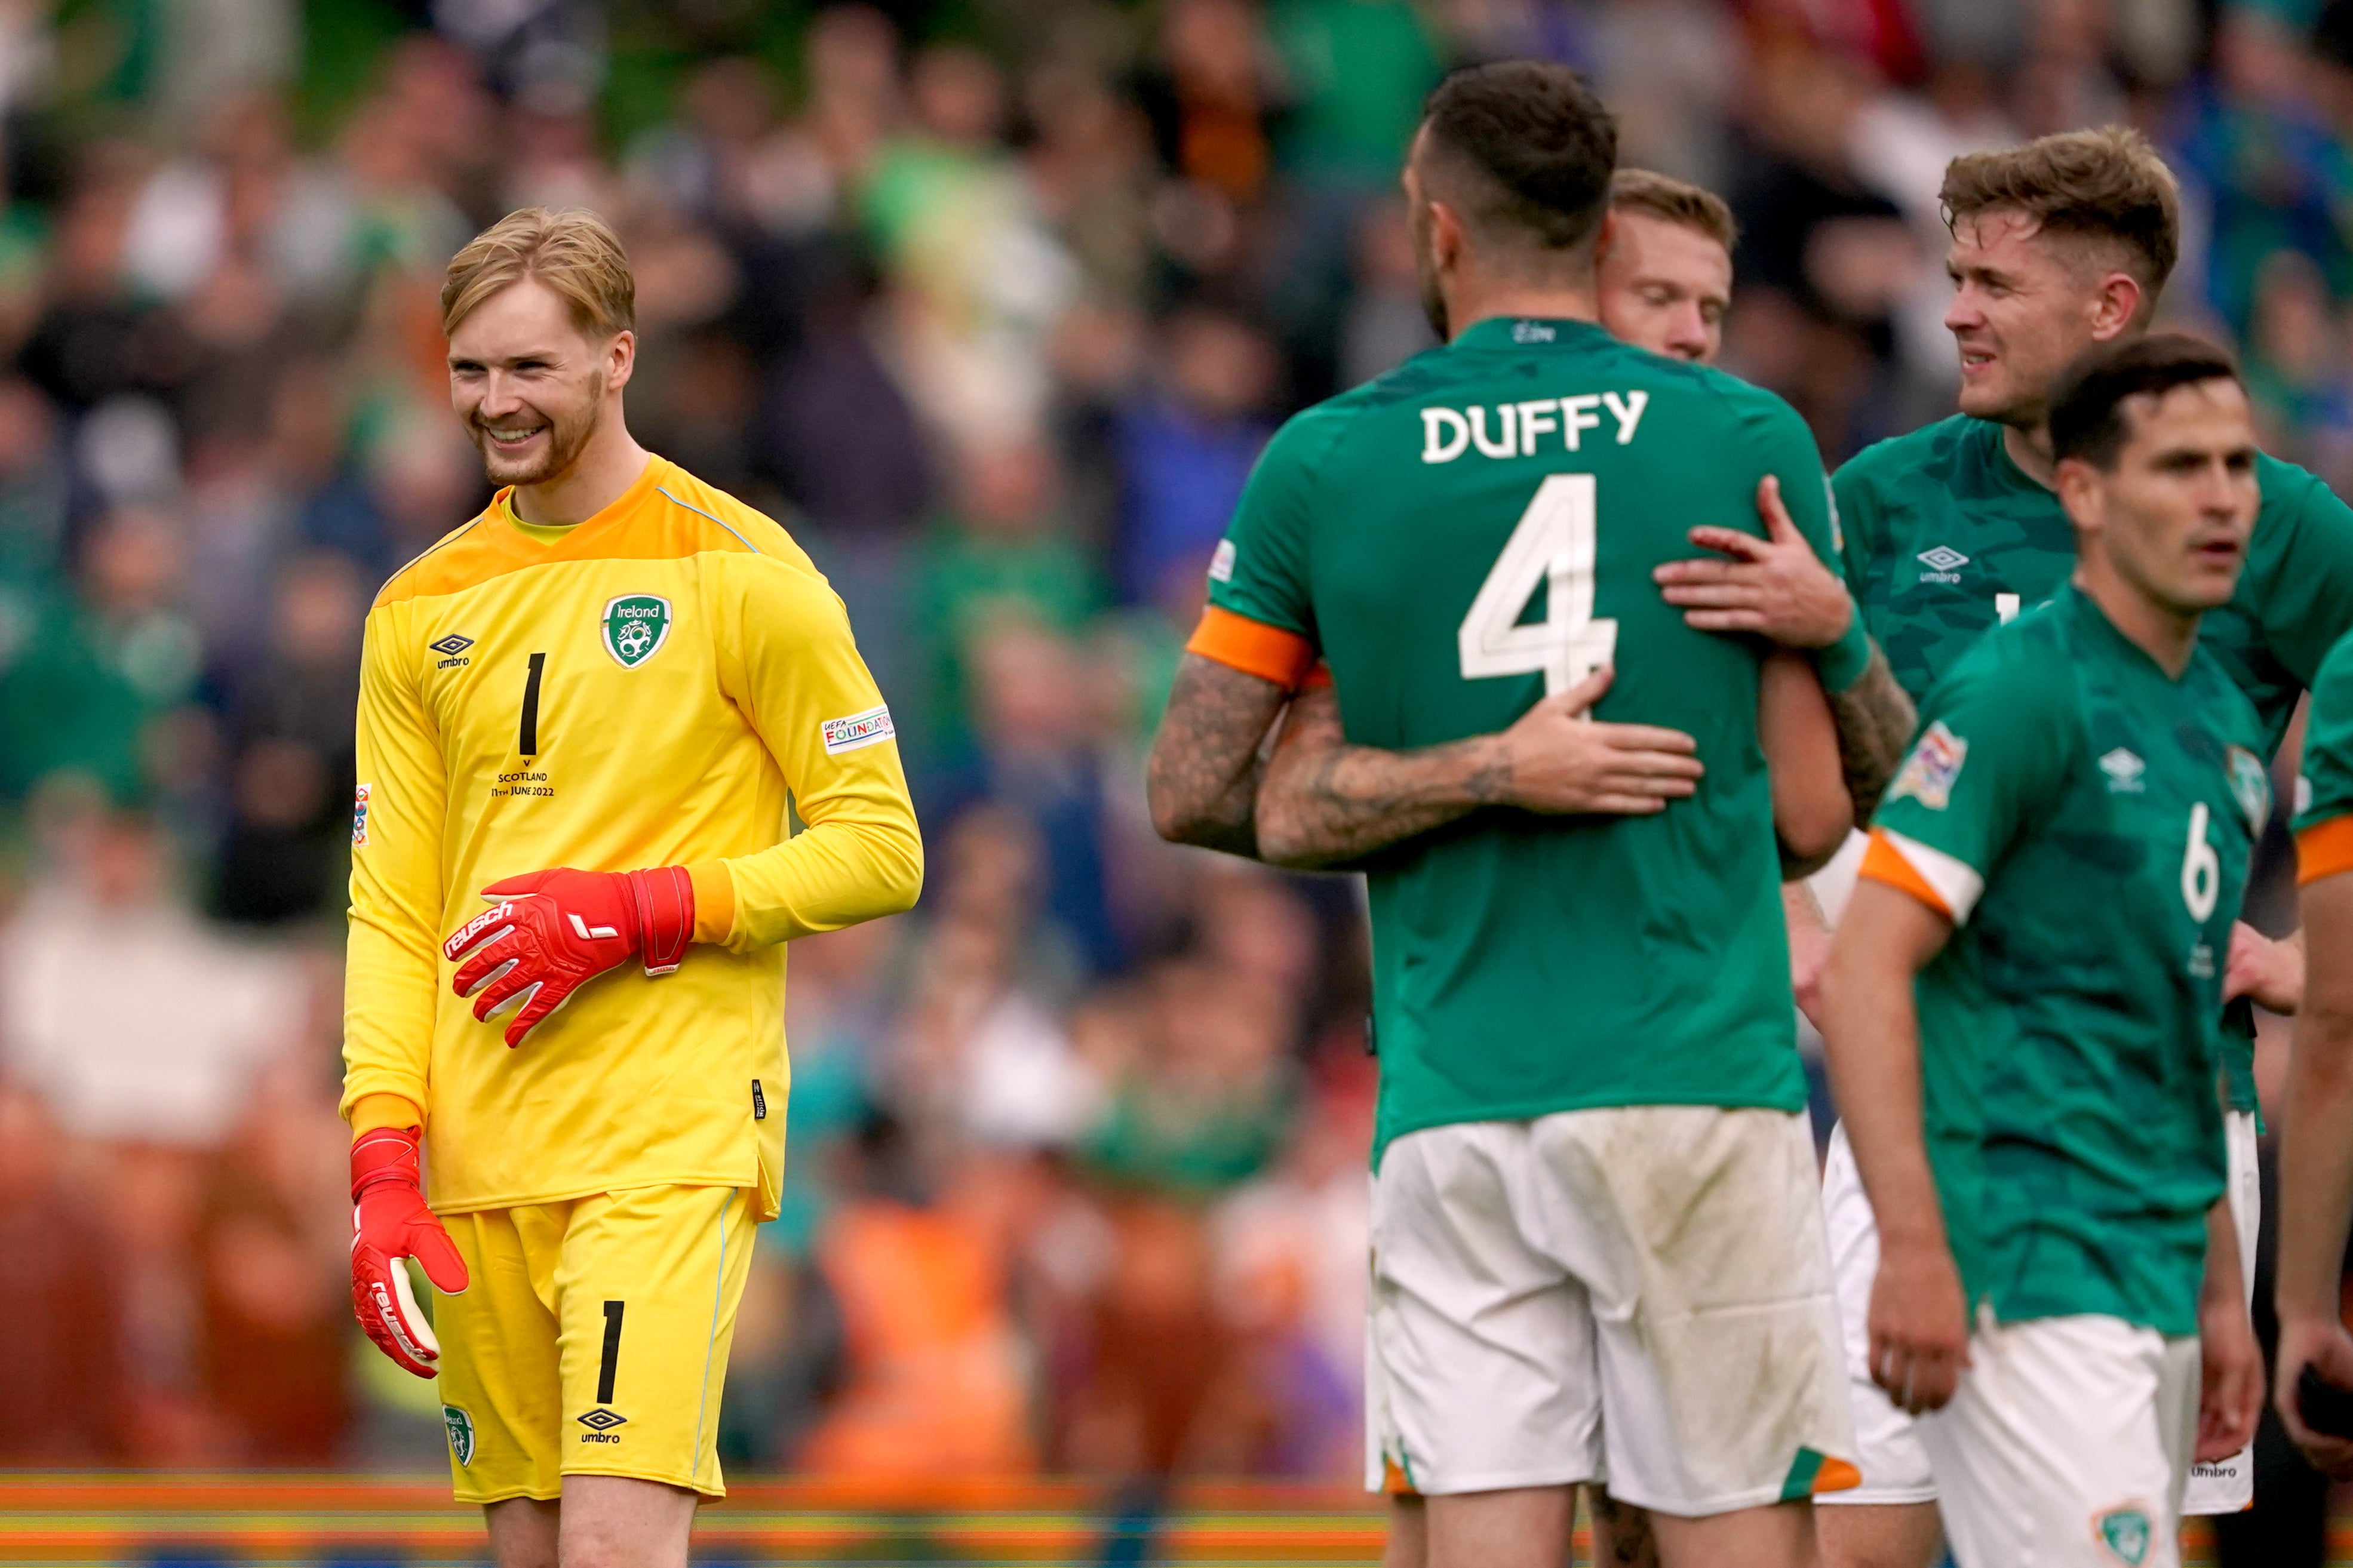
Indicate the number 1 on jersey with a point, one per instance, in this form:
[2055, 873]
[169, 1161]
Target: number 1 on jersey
[1553, 544]
[527, 732]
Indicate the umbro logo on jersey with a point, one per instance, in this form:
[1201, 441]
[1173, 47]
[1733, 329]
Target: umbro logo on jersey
[2124, 771]
[1943, 564]
[451, 646]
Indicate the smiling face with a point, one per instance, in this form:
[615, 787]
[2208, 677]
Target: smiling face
[2172, 516]
[1665, 286]
[530, 384]
[2025, 303]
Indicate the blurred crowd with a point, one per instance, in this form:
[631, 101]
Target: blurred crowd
[993, 303]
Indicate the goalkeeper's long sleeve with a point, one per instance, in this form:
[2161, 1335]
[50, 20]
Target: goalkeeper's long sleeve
[649, 687]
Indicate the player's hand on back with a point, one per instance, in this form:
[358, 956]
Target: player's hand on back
[551, 932]
[1774, 586]
[1919, 1324]
[2322, 1344]
[1557, 761]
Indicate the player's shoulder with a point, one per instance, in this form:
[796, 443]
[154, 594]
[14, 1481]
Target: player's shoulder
[2332, 683]
[1930, 450]
[708, 519]
[1310, 437]
[455, 559]
[2283, 484]
[2025, 666]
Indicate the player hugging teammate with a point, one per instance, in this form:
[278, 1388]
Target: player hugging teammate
[1451, 595]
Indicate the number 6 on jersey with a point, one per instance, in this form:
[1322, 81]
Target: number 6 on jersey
[1553, 544]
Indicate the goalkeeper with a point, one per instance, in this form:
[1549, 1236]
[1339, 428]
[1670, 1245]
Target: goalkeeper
[581, 717]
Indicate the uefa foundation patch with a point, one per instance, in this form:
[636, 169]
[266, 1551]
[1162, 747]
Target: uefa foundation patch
[866, 728]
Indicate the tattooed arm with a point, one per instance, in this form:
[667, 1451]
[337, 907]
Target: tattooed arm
[1203, 777]
[1324, 801]
[1876, 720]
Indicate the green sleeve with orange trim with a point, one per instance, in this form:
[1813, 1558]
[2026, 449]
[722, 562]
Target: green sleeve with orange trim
[1260, 572]
[1996, 741]
[2324, 792]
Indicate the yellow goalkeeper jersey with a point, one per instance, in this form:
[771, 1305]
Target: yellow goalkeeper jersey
[650, 687]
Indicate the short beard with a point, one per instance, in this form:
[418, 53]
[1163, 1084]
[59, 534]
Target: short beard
[1433, 306]
[566, 439]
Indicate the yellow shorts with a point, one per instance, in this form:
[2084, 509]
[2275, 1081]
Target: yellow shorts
[592, 1340]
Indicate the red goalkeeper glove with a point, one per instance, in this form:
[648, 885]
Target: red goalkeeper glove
[390, 1222]
[554, 931]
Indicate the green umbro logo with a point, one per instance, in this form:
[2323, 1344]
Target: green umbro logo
[636, 625]
[2124, 1531]
[461, 1433]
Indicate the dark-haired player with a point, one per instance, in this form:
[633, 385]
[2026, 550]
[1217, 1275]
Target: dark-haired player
[1594, 1248]
[2058, 245]
[2023, 1006]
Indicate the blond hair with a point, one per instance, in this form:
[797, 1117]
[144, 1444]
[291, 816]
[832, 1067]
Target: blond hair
[1676, 201]
[2104, 185]
[574, 253]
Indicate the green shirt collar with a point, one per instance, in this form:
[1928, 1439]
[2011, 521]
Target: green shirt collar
[1526, 332]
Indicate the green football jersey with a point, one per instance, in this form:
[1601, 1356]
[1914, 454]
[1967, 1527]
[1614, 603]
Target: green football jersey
[1459, 537]
[2087, 821]
[1945, 536]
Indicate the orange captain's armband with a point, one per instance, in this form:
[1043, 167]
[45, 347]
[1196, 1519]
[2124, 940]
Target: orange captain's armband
[2323, 850]
[1882, 862]
[1253, 648]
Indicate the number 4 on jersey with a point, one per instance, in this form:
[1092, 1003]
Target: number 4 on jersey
[1553, 545]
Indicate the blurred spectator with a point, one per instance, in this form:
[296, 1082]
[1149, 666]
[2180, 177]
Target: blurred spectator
[933, 1385]
[1187, 442]
[97, 668]
[1003, 553]
[63, 1402]
[275, 1230]
[1386, 324]
[291, 766]
[132, 1020]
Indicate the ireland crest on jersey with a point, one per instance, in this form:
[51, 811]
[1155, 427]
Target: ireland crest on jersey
[2124, 1531]
[2252, 785]
[461, 1433]
[636, 625]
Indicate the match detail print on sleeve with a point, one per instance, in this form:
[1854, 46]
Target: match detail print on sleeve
[858, 730]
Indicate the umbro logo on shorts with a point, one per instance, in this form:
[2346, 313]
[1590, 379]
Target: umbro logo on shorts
[600, 1423]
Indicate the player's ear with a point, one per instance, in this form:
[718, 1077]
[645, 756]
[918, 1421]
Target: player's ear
[620, 360]
[2078, 483]
[2115, 306]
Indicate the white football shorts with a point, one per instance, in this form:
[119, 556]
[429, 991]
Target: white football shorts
[1635, 1294]
[2066, 1445]
[1895, 1466]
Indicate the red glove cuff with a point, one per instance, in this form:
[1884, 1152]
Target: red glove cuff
[386, 1155]
[662, 900]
